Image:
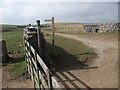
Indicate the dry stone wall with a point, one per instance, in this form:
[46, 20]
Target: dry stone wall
[109, 27]
[106, 27]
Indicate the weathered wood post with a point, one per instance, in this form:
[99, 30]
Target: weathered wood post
[38, 35]
[53, 35]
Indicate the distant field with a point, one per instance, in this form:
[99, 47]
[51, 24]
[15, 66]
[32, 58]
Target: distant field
[75, 28]
[71, 28]
[5, 28]
[67, 27]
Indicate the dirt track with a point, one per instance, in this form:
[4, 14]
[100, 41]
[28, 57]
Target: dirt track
[106, 75]
[9, 80]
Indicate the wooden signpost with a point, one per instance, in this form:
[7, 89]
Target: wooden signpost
[53, 33]
[48, 20]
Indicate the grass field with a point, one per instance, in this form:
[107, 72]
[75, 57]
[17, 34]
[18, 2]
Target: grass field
[14, 41]
[69, 50]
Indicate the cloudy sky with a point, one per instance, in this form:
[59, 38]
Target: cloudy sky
[78, 12]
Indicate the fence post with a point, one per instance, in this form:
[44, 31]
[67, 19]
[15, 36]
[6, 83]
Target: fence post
[38, 35]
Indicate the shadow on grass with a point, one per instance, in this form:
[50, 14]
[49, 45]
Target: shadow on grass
[16, 60]
[63, 61]
[13, 60]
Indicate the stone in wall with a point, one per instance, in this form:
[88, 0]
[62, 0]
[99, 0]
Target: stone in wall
[3, 51]
[108, 27]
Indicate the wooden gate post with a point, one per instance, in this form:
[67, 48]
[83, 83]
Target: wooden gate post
[53, 35]
[38, 35]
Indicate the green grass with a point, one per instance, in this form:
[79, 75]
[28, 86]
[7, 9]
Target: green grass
[0, 35]
[18, 68]
[69, 52]
[8, 27]
[14, 42]
[71, 46]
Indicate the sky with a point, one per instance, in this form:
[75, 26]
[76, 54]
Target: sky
[21, 12]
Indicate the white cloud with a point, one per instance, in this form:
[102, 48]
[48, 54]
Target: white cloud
[24, 13]
[0, 15]
[60, 0]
